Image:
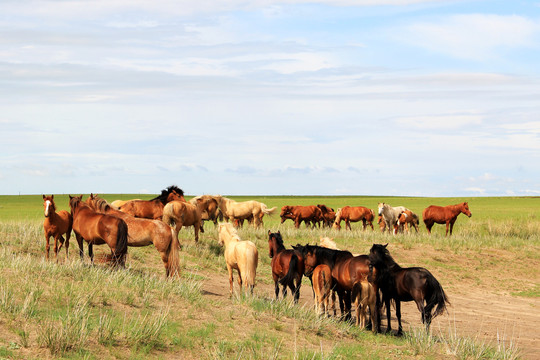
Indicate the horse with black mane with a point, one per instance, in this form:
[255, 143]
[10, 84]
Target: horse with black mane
[287, 266]
[153, 209]
[406, 284]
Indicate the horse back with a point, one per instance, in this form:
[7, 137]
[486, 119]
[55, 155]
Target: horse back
[438, 214]
[411, 283]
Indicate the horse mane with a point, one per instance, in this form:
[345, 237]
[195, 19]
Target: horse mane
[279, 240]
[165, 193]
[233, 233]
[330, 254]
[101, 204]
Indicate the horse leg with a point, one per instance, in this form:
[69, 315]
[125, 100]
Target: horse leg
[452, 225]
[334, 301]
[276, 288]
[348, 224]
[91, 252]
[56, 248]
[297, 290]
[447, 225]
[229, 268]
[398, 315]
[429, 225]
[196, 227]
[388, 316]
[240, 281]
[47, 246]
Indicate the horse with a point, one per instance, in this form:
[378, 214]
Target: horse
[211, 212]
[382, 223]
[98, 229]
[180, 213]
[116, 204]
[287, 266]
[328, 243]
[56, 224]
[244, 209]
[353, 214]
[444, 214]
[390, 214]
[143, 232]
[406, 284]
[322, 286]
[364, 296]
[405, 218]
[347, 272]
[153, 209]
[241, 255]
[301, 213]
[328, 215]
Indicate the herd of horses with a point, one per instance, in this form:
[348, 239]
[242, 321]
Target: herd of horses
[367, 281]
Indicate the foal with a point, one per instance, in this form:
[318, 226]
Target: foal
[56, 224]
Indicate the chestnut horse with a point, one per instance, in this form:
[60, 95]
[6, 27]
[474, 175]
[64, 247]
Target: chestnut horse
[56, 224]
[322, 287]
[153, 209]
[353, 214]
[212, 211]
[444, 214]
[328, 215]
[98, 229]
[180, 213]
[143, 232]
[404, 219]
[240, 255]
[301, 213]
[406, 284]
[348, 272]
[287, 266]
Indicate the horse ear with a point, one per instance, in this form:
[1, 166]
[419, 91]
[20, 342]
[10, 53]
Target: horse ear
[52, 196]
[70, 197]
[278, 232]
[269, 232]
[385, 245]
[43, 197]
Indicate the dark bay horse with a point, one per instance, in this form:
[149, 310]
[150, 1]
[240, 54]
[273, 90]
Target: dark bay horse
[153, 209]
[444, 215]
[98, 229]
[406, 284]
[56, 224]
[143, 232]
[287, 266]
[348, 272]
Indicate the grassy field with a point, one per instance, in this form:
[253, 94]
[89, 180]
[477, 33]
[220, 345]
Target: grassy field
[73, 310]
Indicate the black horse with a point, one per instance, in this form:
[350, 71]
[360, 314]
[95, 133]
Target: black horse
[406, 284]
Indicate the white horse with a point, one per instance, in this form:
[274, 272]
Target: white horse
[241, 255]
[244, 210]
[390, 214]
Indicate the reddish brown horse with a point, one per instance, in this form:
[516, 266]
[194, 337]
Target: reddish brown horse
[353, 214]
[301, 213]
[56, 224]
[153, 209]
[406, 284]
[405, 219]
[287, 266]
[348, 272]
[98, 229]
[328, 215]
[444, 215]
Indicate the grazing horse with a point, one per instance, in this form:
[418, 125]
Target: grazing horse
[353, 214]
[406, 284]
[328, 215]
[180, 213]
[390, 214]
[153, 209]
[241, 255]
[56, 224]
[287, 266]
[347, 272]
[404, 219]
[322, 287]
[143, 232]
[301, 213]
[98, 229]
[234, 210]
[382, 223]
[212, 211]
[444, 214]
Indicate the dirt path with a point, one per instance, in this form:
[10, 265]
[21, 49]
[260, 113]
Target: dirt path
[479, 315]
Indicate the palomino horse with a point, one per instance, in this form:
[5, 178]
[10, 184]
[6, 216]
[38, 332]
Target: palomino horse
[56, 224]
[287, 266]
[364, 296]
[153, 209]
[347, 272]
[328, 215]
[444, 214]
[98, 229]
[405, 219]
[241, 255]
[181, 213]
[406, 284]
[353, 214]
[212, 211]
[234, 210]
[301, 213]
[322, 287]
[390, 214]
[143, 232]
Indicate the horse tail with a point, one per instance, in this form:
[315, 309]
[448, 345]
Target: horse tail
[438, 297]
[266, 210]
[291, 274]
[251, 267]
[121, 242]
[173, 255]
[168, 212]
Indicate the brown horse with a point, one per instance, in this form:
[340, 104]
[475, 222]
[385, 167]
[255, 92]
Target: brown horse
[212, 211]
[287, 266]
[353, 214]
[98, 229]
[348, 272]
[444, 214]
[406, 284]
[180, 213]
[322, 287]
[404, 219]
[56, 224]
[153, 209]
[301, 213]
[143, 232]
[328, 215]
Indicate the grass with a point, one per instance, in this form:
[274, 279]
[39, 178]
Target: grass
[73, 310]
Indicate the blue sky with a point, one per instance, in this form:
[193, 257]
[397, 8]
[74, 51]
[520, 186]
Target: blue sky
[390, 97]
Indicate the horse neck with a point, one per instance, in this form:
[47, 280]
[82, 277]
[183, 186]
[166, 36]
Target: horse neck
[278, 247]
[456, 209]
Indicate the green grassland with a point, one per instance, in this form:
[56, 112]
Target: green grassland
[73, 310]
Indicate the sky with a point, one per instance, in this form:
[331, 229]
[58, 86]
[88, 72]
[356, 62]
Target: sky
[259, 97]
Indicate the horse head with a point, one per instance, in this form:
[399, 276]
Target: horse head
[49, 205]
[378, 254]
[74, 202]
[381, 207]
[275, 243]
[465, 209]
